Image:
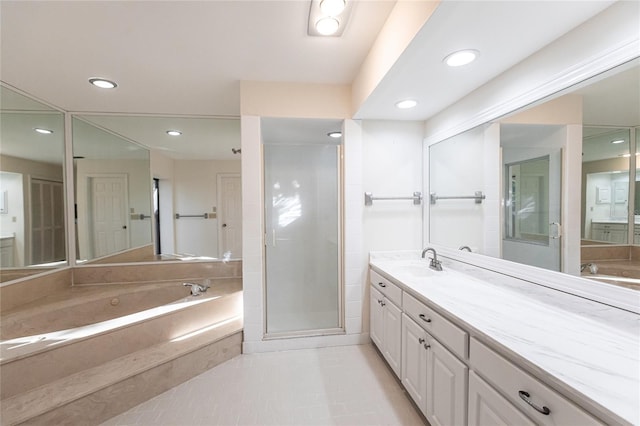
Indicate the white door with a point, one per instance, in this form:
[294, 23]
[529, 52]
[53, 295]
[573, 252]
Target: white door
[446, 387]
[392, 341]
[47, 221]
[488, 408]
[109, 213]
[414, 362]
[532, 210]
[230, 215]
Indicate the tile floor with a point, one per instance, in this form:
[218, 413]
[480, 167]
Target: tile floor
[347, 385]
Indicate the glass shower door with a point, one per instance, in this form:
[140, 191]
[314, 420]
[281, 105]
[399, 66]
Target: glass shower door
[302, 224]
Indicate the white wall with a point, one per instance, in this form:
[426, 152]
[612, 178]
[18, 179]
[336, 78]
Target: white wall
[392, 166]
[12, 222]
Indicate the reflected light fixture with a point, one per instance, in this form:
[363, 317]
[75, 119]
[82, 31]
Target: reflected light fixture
[406, 104]
[43, 131]
[335, 135]
[461, 57]
[327, 25]
[174, 132]
[103, 83]
[617, 141]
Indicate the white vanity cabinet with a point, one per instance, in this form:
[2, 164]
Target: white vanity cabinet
[610, 232]
[386, 320]
[488, 407]
[541, 404]
[434, 377]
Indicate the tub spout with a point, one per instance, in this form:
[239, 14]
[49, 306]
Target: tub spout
[593, 268]
[196, 289]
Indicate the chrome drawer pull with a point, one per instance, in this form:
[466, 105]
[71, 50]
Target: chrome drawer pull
[525, 397]
[382, 285]
[421, 340]
[424, 318]
[426, 346]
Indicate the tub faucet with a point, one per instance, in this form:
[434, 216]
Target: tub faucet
[593, 268]
[463, 248]
[196, 289]
[434, 264]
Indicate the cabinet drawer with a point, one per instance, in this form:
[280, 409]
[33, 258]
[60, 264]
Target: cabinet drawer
[386, 287]
[439, 327]
[515, 385]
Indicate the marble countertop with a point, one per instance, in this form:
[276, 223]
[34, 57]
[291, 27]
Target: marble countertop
[583, 348]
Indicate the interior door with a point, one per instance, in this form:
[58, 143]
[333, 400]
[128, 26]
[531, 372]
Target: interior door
[109, 208]
[230, 215]
[533, 233]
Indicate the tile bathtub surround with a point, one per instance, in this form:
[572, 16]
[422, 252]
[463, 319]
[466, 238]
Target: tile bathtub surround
[21, 293]
[345, 385]
[139, 254]
[594, 254]
[160, 271]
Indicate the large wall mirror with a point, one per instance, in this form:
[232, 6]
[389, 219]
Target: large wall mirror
[32, 201]
[515, 167]
[182, 196]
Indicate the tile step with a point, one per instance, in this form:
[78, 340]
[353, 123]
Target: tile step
[35, 402]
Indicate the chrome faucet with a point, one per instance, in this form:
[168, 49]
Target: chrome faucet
[196, 289]
[434, 264]
[467, 248]
[593, 268]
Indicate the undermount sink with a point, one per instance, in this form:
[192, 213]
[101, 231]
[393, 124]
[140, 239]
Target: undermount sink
[419, 271]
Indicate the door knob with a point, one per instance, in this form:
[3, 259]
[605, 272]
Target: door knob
[224, 225]
[124, 226]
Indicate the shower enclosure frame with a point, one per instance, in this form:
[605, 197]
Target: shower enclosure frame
[340, 329]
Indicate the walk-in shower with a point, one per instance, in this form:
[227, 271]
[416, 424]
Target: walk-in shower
[303, 293]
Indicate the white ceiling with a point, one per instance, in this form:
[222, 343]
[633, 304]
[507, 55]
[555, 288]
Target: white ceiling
[179, 58]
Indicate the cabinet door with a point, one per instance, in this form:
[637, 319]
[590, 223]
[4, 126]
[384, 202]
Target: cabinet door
[488, 407]
[392, 337]
[446, 387]
[376, 325]
[414, 362]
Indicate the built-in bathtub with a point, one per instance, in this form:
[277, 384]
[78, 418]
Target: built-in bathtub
[86, 326]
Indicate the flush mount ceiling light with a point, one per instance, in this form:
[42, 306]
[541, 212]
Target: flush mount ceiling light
[406, 104]
[332, 7]
[43, 131]
[461, 57]
[618, 141]
[174, 132]
[328, 17]
[327, 26]
[103, 83]
[335, 135]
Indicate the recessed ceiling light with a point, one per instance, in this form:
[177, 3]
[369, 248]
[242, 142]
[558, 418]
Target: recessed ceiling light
[335, 135]
[103, 83]
[618, 141]
[332, 7]
[327, 26]
[174, 132]
[406, 104]
[43, 131]
[461, 57]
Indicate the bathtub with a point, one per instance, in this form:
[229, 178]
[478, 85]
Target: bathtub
[86, 326]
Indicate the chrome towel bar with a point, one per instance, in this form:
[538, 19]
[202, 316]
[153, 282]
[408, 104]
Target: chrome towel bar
[204, 216]
[478, 197]
[369, 198]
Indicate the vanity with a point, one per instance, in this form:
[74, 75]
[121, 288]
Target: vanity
[474, 346]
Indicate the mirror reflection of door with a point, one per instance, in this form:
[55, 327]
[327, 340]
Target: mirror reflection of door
[108, 201]
[532, 179]
[230, 215]
[47, 221]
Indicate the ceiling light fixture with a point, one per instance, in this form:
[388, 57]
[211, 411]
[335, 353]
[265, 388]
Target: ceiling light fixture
[328, 17]
[332, 7]
[406, 104]
[327, 26]
[103, 83]
[618, 141]
[43, 131]
[334, 135]
[461, 57]
[174, 132]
